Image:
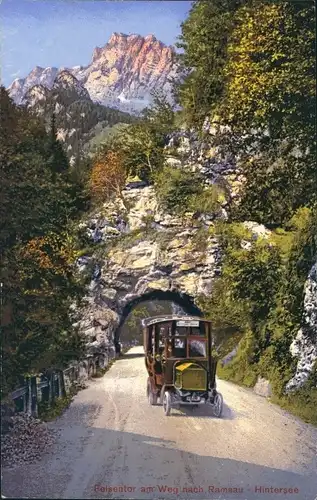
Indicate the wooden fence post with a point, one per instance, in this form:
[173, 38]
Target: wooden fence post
[51, 389]
[28, 397]
[57, 384]
[25, 398]
[45, 390]
[62, 384]
[33, 397]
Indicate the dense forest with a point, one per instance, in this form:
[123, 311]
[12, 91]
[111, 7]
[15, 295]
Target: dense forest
[247, 66]
[41, 199]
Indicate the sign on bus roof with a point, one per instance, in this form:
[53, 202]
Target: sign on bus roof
[187, 322]
[184, 319]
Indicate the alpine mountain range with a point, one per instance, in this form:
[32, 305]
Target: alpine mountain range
[122, 74]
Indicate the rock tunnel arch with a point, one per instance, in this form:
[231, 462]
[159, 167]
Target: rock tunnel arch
[167, 263]
[183, 300]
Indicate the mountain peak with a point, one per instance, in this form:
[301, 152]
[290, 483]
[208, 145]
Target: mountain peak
[117, 37]
[66, 81]
[150, 38]
[36, 72]
[64, 75]
[123, 73]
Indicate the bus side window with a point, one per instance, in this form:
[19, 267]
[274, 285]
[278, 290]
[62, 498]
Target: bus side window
[153, 340]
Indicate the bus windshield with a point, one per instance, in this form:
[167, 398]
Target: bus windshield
[197, 348]
[189, 330]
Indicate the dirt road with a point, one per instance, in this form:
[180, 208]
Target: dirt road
[111, 437]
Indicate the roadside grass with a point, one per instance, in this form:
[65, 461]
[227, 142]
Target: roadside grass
[100, 372]
[48, 412]
[301, 403]
[248, 379]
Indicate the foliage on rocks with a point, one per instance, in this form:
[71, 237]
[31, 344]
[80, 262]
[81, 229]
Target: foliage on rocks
[257, 303]
[107, 176]
[176, 188]
[204, 41]
[252, 72]
[179, 191]
[141, 144]
[270, 107]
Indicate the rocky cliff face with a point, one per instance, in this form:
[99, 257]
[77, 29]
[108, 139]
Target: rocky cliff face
[304, 346]
[186, 150]
[152, 256]
[122, 74]
[38, 76]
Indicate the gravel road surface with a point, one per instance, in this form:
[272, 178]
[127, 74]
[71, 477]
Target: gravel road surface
[111, 438]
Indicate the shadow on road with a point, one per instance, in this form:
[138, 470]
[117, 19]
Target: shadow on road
[131, 355]
[148, 462]
[203, 411]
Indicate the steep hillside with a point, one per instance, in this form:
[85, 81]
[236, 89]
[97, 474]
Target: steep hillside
[75, 112]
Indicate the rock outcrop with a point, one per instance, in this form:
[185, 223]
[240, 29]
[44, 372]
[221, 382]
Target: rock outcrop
[122, 74]
[304, 346]
[153, 255]
[263, 388]
[204, 157]
[38, 76]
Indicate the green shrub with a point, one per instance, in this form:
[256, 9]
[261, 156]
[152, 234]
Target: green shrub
[176, 188]
[260, 292]
[207, 201]
[180, 190]
[48, 412]
[302, 403]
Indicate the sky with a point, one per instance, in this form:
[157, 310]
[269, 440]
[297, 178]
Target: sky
[65, 32]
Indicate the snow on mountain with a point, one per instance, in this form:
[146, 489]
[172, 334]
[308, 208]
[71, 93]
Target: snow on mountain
[38, 76]
[122, 74]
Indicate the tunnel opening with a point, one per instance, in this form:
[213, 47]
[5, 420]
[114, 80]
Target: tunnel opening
[154, 303]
